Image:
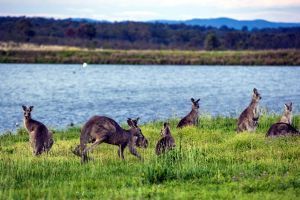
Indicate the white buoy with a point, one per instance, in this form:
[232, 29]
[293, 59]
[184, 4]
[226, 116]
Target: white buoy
[84, 65]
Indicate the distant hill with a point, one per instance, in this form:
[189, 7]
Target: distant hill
[213, 22]
[231, 23]
[143, 35]
[87, 20]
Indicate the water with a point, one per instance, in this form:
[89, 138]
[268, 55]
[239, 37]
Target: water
[62, 93]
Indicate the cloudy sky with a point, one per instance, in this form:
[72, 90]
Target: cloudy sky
[141, 10]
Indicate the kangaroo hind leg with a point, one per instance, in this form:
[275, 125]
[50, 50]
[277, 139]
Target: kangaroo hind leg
[84, 156]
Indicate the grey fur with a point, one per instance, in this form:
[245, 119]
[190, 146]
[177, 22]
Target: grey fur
[248, 120]
[40, 137]
[192, 119]
[284, 126]
[99, 129]
[167, 142]
[282, 129]
[287, 114]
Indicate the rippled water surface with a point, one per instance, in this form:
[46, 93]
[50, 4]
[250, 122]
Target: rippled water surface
[62, 93]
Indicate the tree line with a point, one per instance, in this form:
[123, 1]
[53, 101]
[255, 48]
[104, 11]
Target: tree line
[140, 35]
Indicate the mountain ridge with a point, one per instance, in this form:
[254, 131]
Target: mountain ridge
[230, 23]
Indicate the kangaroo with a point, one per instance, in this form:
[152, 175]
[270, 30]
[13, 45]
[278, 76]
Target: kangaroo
[287, 115]
[248, 120]
[40, 137]
[192, 118]
[284, 126]
[167, 142]
[101, 129]
[282, 129]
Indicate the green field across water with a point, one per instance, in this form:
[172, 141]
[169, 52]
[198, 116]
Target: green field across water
[29, 53]
[210, 161]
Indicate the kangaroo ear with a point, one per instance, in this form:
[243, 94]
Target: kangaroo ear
[24, 107]
[254, 90]
[130, 122]
[135, 122]
[291, 106]
[286, 107]
[193, 100]
[30, 108]
[198, 100]
[165, 124]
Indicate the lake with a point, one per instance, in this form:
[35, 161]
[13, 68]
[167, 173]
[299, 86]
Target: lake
[62, 93]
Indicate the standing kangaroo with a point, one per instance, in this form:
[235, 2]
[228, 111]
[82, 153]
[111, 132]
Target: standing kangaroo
[99, 129]
[167, 142]
[248, 120]
[284, 126]
[192, 118]
[287, 115]
[40, 137]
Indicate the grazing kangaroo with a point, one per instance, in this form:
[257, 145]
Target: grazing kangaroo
[99, 129]
[248, 120]
[282, 129]
[192, 118]
[40, 137]
[287, 115]
[167, 142]
[284, 126]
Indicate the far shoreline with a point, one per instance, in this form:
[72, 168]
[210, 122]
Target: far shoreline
[28, 53]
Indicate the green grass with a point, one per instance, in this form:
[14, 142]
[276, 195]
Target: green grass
[151, 57]
[210, 161]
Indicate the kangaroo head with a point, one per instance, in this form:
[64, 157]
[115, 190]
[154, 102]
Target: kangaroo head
[195, 104]
[27, 111]
[165, 130]
[256, 95]
[135, 121]
[140, 140]
[288, 111]
[288, 108]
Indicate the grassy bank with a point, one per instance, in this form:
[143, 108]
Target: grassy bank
[56, 54]
[210, 161]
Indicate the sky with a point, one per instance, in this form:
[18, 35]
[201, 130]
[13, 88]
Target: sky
[143, 10]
